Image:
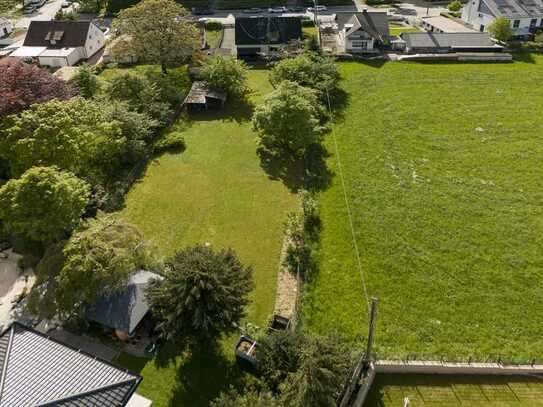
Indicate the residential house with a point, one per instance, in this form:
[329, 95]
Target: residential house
[362, 32]
[261, 35]
[61, 43]
[36, 370]
[443, 43]
[526, 16]
[124, 310]
[5, 27]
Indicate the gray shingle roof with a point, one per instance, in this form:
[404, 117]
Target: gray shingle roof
[201, 90]
[40, 371]
[449, 40]
[515, 8]
[267, 30]
[124, 310]
[374, 23]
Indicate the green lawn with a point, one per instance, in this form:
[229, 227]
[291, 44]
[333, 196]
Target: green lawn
[216, 192]
[443, 172]
[452, 391]
[396, 29]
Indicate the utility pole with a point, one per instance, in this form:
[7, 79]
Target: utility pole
[371, 332]
[351, 394]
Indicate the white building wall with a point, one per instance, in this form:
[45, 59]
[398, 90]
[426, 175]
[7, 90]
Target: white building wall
[95, 41]
[69, 60]
[476, 19]
[5, 27]
[353, 41]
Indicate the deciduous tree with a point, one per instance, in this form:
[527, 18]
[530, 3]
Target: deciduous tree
[311, 70]
[23, 85]
[227, 73]
[203, 294]
[98, 259]
[43, 204]
[158, 32]
[500, 29]
[288, 120]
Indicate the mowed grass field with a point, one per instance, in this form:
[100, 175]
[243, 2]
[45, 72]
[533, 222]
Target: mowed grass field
[455, 390]
[214, 192]
[443, 172]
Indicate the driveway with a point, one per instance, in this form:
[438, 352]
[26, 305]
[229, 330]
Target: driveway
[44, 13]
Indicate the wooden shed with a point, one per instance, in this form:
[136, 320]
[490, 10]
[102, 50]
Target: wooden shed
[202, 96]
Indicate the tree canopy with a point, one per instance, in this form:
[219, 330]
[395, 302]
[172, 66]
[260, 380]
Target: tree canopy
[203, 294]
[43, 204]
[288, 120]
[455, 6]
[77, 135]
[227, 73]
[500, 29]
[310, 69]
[157, 31]
[99, 258]
[140, 94]
[23, 84]
[86, 81]
[323, 369]
[245, 399]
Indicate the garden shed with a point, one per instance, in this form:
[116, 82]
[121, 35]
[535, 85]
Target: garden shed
[203, 96]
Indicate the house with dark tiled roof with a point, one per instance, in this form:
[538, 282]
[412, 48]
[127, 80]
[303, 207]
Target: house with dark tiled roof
[525, 16]
[355, 33]
[61, 43]
[260, 35]
[36, 370]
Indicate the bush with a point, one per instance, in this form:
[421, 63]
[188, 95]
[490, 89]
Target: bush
[171, 86]
[173, 142]
[455, 6]
[86, 81]
[213, 25]
[227, 73]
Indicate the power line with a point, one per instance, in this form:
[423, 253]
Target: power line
[348, 206]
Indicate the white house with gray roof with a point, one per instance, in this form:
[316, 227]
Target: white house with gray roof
[36, 370]
[526, 16]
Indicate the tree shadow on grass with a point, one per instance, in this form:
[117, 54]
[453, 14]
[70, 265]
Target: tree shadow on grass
[203, 375]
[239, 111]
[309, 173]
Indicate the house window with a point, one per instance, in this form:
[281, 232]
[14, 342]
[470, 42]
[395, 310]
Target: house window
[541, 23]
[516, 23]
[480, 15]
[360, 44]
[481, 28]
[533, 22]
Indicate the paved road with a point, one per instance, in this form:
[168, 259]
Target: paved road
[45, 13]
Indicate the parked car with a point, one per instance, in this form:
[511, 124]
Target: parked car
[277, 10]
[296, 9]
[65, 4]
[318, 8]
[254, 10]
[37, 3]
[30, 9]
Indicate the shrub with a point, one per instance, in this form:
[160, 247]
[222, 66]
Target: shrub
[455, 6]
[86, 81]
[170, 142]
[213, 25]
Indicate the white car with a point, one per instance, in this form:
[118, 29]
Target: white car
[318, 9]
[277, 10]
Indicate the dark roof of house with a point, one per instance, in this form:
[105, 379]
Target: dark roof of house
[375, 23]
[38, 370]
[514, 8]
[200, 91]
[66, 34]
[267, 30]
[449, 40]
[125, 309]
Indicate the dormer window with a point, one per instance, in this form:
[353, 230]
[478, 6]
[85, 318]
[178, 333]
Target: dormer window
[53, 36]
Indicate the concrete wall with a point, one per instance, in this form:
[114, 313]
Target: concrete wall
[436, 367]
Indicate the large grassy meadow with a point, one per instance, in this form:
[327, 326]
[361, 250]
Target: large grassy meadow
[443, 168]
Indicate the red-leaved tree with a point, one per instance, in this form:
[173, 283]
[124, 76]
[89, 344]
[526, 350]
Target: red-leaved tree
[22, 85]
